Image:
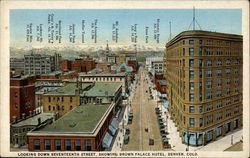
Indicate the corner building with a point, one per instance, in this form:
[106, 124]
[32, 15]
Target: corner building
[203, 71]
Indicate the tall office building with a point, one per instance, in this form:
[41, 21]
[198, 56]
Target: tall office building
[203, 71]
[41, 63]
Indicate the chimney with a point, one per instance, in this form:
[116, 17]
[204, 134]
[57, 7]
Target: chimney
[23, 115]
[13, 119]
[39, 121]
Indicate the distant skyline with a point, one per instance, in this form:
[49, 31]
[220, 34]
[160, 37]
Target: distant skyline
[219, 20]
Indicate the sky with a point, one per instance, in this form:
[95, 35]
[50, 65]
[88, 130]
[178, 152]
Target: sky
[219, 20]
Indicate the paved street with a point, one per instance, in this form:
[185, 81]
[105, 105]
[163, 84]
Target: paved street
[144, 117]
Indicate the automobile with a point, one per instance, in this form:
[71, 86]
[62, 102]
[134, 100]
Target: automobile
[151, 141]
[127, 131]
[126, 139]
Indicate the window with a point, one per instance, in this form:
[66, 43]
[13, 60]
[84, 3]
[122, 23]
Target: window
[62, 99]
[200, 62]
[77, 145]
[218, 72]
[71, 98]
[57, 144]
[191, 97]
[201, 122]
[236, 89]
[219, 83]
[49, 99]
[200, 41]
[191, 41]
[228, 112]
[200, 51]
[228, 62]
[236, 81]
[183, 51]
[209, 107]
[191, 74]
[183, 42]
[218, 93]
[191, 109]
[67, 145]
[88, 145]
[191, 85]
[191, 122]
[219, 103]
[36, 144]
[47, 144]
[228, 101]
[200, 73]
[228, 81]
[236, 71]
[209, 84]
[219, 116]
[209, 62]
[228, 91]
[236, 61]
[191, 62]
[209, 73]
[236, 110]
[209, 119]
[191, 51]
[218, 62]
[236, 99]
[209, 95]
[200, 108]
[227, 71]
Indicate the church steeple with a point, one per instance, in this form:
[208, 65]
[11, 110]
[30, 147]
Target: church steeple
[107, 51]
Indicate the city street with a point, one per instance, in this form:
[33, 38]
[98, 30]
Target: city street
[144, 117]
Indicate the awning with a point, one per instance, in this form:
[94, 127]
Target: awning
[165, 104]
[115, 123]
[112, 130]
[164, 95]
[107, 140]
[125, 94]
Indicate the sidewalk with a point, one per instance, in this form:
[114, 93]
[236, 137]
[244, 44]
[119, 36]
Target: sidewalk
[220, 144]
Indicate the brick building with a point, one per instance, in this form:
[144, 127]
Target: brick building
[79, 65]
[85, 128]
[22, 96]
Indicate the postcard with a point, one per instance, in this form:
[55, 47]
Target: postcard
[124, 79]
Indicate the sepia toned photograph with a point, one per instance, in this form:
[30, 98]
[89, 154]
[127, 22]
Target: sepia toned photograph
[125, 82]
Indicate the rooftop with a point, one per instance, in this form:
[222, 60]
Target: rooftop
[206, 34]
[102, 89]
[33, 121]
[52, 73]
[103, 74]
[82, 119]
[68, 89]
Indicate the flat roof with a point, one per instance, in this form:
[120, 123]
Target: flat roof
[46, 89]
[52, 73]
[33, 121]
[102, 89]
[81, 119]
[68, 89]
[103, 74]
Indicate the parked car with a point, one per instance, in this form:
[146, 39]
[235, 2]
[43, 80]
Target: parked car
[126, 139]
[127, 131]
[151, 141]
